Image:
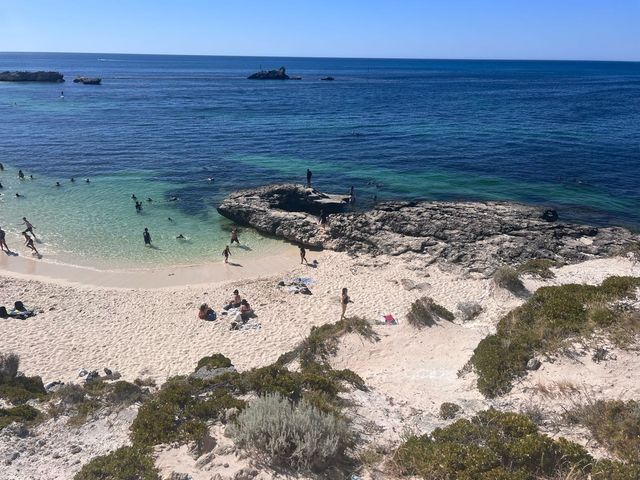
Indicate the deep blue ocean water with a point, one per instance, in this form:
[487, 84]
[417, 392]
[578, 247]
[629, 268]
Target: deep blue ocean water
[562, 134]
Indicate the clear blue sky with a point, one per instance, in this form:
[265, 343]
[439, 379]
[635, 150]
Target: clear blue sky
[515, 29]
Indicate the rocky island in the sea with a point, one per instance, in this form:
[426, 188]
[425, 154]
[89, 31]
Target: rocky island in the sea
[88, 80]
[41, 76]
[278, 74]
[478, 236]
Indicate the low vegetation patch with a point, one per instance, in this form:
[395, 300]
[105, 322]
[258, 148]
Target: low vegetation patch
[550, 317]
[297, 436]
[508, 278]
[538, 267]
[21, 413]
[214, 361]
[449, 410]
[614, 424]
[498, 445]
[424, 312]
[17, 389]
[126, 463]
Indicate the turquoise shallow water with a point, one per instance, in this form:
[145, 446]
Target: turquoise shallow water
[560, 134]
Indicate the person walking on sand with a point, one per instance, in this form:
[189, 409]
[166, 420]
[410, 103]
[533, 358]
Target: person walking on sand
[226, 252]
[3, 241]
[147, 237]
[344, 300]
[234, 236]
[309, 174]
[28, 242]
[29, 228]
[303, 255]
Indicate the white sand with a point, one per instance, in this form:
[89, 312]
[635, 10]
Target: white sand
[154, 332]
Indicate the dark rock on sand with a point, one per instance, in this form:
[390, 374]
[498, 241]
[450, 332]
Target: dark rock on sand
[87, 80]
[533, 364]
[278, 74]
[477, 236]
[52, 77]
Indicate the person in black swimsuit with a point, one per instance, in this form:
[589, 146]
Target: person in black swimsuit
[147, 237]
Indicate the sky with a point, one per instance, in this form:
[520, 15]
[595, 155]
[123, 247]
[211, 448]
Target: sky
[469, 29]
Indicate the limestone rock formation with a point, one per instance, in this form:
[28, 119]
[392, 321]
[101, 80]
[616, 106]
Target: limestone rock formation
[477, 236]
[88, 80]
[278, 74]
[52, 77]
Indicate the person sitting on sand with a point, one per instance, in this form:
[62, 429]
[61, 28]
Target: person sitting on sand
[235, 301]
[226, 252]
[234, 236]
[28, 242]
[206, 313]
[245, 310]
[303, 254]
[147, 237]
[344, 300]
[29, 228]
[3, 241]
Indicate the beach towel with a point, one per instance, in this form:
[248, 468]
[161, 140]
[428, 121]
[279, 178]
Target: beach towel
[20, 314]
[251, 324]
[387, 319]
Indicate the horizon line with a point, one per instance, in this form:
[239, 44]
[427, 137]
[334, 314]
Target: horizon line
[329, 57]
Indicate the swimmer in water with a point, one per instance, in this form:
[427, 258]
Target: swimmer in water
[18, 195]
[133, 196]
[31, 177]
[149, 200]
[181, 237]
[147, 238]
[73, 179]
[1, 185]
[173, 198]
[88, 181]
[170, 219]
[1, 167]
[58, 184]
[210, 179]
[20, 175]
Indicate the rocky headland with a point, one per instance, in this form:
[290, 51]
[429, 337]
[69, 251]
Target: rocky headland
[278, 74]
[478, 236]
[50, 77]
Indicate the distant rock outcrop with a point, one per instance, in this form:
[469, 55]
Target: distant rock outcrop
[278, 74]
[51, 77]
[478, 236]
[87, 80]
[328, 79]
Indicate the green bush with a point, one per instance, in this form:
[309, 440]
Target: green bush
[551, 316]
[179, 412]
[614, 424]
[611, 470]
[22, 389]
[71, 394]
[9, 364]
[126, 463]
[539, 267]
[216, 360]
[124, 393]
[424, 312]
[491, 445]
[507, 278]
[449, 410]
[21, 413]
[295, 436]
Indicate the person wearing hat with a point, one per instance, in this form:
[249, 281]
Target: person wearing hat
[235, 301]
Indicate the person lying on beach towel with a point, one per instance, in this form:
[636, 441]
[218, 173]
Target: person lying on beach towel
[387, 320]
[18, 311]
[206, 313]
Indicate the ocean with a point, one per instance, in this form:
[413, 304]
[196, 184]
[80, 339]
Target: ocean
[557, 134]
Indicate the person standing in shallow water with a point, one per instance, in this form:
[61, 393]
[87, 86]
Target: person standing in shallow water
[234, 236]
[309, 175]
[20, 175]
[147, 237]
[29, 227]
[28, 242]
[344, 300]
[226, 252]
[3, 241]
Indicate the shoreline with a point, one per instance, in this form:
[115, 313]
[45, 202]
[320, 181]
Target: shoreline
[250, 266]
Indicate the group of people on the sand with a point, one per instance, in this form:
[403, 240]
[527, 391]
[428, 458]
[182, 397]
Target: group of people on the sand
[235, 304]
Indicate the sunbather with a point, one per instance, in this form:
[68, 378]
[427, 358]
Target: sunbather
[235, 301]
[206, 313]
[245, 310]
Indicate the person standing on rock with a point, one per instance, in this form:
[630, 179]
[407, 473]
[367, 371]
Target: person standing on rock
[309, 175]
[226, 252]
[147, 237]
[303, 255]
[344, 300]
[234, 236]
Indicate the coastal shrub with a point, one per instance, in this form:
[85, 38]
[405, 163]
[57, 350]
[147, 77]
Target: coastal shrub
[491, 445]
[216, 360]
[550, 317]
[179, 412]
[19, 390]
[9, 364]
[124, 393]
[614, 424]
[21, 413]
[296, 436]
[70, 394]
[612, 470]
[538, 267]
[126, 463]
[507, 278]
[449, 410]
[424, 312]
